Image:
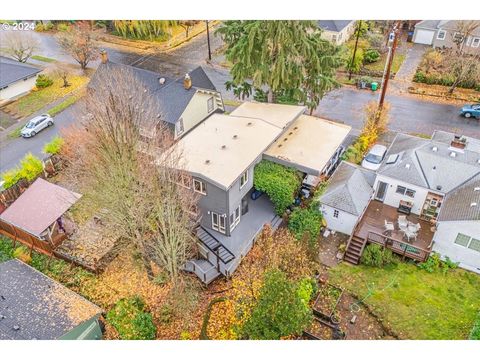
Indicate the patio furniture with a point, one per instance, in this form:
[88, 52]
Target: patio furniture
[414, 227]
[405, 207]
[409, 234]
[402, 222]
[389, 226]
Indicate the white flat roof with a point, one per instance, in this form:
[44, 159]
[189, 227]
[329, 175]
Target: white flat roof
[222, 147]
[276, 114]
[309, 142]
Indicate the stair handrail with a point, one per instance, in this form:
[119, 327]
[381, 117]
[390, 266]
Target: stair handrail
[215, 251]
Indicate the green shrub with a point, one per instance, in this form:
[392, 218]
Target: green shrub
[375, 255]
[434, 264]
[63, 27]
[306, 222]
[43, 81]
[371, 56]
[475, 333]
[54, 146]
[30, 168]
[280, 183]
[129, 318]
[6, 249]
[280, 310]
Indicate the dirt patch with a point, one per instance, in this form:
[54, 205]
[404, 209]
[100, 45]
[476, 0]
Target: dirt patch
[329, 248]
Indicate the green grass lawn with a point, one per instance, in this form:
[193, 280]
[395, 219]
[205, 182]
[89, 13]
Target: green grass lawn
[380, 64]
[38, 99]
[43, 58]
[418, 304]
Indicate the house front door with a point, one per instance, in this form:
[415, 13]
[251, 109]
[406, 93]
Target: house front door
[381, 191]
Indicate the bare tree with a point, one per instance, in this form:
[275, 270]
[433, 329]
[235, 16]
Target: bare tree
[462, 65]
[80, 43]
[127, 164]
[20, 45]
[63, 72]
[187, 24]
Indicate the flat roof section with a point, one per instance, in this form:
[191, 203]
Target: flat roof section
[222, 147]
[308, 144]
[276, 114]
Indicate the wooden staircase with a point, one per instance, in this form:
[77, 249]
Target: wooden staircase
[354, 250]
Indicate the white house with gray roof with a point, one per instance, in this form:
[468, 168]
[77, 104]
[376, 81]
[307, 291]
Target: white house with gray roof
[347, 196]
[435, 180]
[337, 31]
[16, 78]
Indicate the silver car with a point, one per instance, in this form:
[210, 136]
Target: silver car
[374, 157]
[35, 125]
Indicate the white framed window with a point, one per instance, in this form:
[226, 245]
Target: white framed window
[179, 126]
[334, 38]
[458, 37]
[210, 104]
[235, 218]
[475, 42]
[402, 190]
[468, 242]
[441, 35]
[218, 222]
[199, 186]
[336, 213]
[244, 179]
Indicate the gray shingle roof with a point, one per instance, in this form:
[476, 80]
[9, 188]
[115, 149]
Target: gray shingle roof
[420, 165]
[349, 189]
[171, 97]
[457, 205]
[333, 25]
[442, 24]
[12, 71]
[33, 306]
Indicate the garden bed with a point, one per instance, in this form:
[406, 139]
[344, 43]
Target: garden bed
[326, 302]
[322, 330]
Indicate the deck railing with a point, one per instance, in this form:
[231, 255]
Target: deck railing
[400, 247]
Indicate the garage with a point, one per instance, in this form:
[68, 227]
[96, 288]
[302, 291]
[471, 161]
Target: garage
[423, 36]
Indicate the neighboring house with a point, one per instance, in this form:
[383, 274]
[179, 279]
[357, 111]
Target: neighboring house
[347, 196]
[16, 78]
[221, 153]
[337, 31]
[182, 103]
[441, 34]
[35, 307]
[435, 183]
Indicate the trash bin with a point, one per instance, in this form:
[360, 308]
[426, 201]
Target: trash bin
[374, 86]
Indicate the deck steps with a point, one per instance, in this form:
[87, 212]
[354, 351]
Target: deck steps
[354, 250]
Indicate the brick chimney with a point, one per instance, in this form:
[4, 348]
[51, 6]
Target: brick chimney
[187, 82]
[104, 56]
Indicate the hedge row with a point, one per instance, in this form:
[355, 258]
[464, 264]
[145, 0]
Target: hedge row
[421, 77]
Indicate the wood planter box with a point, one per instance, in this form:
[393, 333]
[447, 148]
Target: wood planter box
[322, 330]
[326, 302]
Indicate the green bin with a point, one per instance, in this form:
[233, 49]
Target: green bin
[374, 86]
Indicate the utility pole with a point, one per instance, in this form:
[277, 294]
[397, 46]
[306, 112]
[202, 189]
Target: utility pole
[354, 50]
[386, 75]
[208, 42]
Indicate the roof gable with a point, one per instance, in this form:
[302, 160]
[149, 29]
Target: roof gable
[12, 71]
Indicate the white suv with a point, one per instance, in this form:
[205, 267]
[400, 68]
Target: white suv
[35, 125]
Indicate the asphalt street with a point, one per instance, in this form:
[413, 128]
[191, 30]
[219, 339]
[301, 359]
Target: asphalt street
[408, 114]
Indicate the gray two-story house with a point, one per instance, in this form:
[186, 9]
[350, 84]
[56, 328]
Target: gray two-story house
[220, 154]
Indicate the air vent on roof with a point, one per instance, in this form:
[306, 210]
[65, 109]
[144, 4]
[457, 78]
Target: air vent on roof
[224, 147]
[392, 159]
[161, 81]
[439, 187]
[407, 166]
[16, 327]
[435, 149]
[235, 136]
[249, 123]
[473, 204]
[207, 161]
[453, 154]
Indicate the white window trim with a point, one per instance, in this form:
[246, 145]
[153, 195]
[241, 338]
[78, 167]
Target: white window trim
[467, 246]
[336, 213]
[444, 32]
[203, 187]
[179, 126]
[405, 192]
[215, 226]
[244, 175]
[212, 100]
[236, 220]
[473, 42]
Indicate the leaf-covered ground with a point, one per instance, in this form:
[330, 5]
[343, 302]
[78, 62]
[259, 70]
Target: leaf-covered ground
[413, 303]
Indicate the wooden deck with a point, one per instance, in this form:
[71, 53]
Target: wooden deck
[371, 229]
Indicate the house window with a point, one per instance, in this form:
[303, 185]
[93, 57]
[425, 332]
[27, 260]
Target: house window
[179, 126]
[462, 239]
[475, 42]
[244, 179]
[184, 180]
[334, 38]
[335, 214]
[199, 186]
[210, 104]
[458, 37]
[235, 218]
[441, 34]
[474, 245]
[402, 190]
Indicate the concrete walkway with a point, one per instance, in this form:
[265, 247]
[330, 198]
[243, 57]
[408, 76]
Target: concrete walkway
[404, 76]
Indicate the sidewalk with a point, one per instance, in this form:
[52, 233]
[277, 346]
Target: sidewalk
[404, 76]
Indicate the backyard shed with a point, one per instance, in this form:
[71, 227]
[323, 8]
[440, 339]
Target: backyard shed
[35, 218]
[33, 306]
